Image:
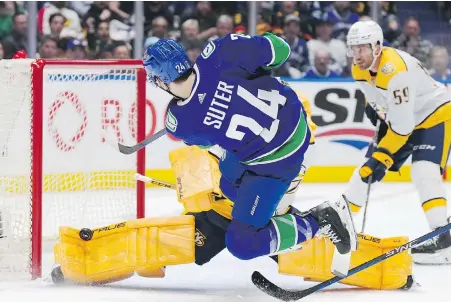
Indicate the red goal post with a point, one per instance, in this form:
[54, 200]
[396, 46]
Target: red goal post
[57, 168]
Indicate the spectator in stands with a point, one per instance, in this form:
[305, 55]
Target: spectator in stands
[190, 32]
[98, 39]
[264, 18]
[193, 50]
[159, 28]
[72, 27]
[56, 22]
[440, 64]
[302, 10]
[298, 60]
[324, 40]
[98, 12]
[61, 48]
[17, 40]
[80, 7]
[391, 29]
[48, 48]
[106, 53]
[224, 26]
[204, 15]
[286, 8]
[411, 42]
[7, 10]
[154, 9]
[76, 50]
[2, 52]
[341, 17]
[320, 69]
[122, 51]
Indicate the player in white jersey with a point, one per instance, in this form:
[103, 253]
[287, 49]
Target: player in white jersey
[415, 120]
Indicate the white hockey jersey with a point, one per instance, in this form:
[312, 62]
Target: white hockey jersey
[404, 95]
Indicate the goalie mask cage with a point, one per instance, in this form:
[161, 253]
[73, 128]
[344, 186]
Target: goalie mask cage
[55, 167]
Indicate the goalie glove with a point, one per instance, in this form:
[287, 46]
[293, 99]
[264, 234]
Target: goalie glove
[376, 166]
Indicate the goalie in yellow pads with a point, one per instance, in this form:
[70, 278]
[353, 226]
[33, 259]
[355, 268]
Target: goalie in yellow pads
[146, 246]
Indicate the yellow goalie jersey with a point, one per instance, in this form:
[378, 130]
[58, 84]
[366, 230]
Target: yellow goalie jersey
[404, 95]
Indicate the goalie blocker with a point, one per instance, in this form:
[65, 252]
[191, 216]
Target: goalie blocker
[147, 246]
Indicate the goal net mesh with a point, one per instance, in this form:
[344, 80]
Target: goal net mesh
[85, 183]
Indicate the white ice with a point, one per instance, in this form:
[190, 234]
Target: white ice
[394, 210]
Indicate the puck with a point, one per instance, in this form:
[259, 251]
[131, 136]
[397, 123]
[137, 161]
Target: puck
[86, 234]
[57, 275]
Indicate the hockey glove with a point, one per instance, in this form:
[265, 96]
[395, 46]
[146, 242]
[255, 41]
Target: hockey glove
[376, 166]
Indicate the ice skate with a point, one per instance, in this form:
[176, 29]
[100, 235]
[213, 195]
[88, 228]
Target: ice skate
[436, 250]
[335, 222]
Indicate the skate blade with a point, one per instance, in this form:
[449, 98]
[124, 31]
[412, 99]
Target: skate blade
[340, 263]
[346, 217]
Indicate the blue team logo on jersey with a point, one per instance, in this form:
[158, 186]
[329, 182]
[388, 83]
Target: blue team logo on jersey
[350, 137]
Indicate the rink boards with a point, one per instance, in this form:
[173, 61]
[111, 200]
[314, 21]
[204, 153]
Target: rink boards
[342, 137]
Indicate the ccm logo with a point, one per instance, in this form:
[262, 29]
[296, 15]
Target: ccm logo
[424, 147]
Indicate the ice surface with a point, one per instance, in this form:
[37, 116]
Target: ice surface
[394, 210]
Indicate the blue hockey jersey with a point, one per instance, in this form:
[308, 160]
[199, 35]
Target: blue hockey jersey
[236, 104]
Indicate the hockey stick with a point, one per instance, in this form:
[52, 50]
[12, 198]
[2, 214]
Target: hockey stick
[132, 149]
[153, 181]
[285, 295]
[370, 179]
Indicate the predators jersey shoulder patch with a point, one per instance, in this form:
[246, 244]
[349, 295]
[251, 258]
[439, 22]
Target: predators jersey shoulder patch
[391, 64]
[388, 68]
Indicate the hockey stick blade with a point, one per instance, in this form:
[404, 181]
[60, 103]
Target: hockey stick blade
[286, 295]
[132, 149]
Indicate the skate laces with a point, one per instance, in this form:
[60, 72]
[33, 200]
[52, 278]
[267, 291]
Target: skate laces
[327, 231]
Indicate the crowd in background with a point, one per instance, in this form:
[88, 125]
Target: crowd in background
[316, 31]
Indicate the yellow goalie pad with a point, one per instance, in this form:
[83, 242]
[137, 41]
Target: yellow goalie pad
[115, 252]
[314, 260]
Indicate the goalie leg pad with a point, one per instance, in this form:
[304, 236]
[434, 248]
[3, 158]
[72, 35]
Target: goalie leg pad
[117, 251]
[314, 260]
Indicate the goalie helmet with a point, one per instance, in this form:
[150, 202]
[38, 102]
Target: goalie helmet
[165, 60]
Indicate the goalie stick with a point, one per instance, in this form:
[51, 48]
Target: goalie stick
[153, 181]
[132, 149]
[286, 295]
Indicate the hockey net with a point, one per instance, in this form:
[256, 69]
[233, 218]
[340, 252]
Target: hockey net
[55, 167]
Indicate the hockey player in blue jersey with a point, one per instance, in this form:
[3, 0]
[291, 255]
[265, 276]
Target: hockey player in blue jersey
[228, 98]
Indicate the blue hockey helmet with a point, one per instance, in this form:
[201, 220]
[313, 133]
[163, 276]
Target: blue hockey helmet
[166, 60]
